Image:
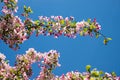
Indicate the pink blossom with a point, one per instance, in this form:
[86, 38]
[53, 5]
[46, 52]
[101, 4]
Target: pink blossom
[66, 19]
[40, 17]
[16, 1]
[52, 17]
[15, 10]
[25, 76]
[71, 18]
[5, 1]
[56, 18]
[5, 10]
[79, 25]
[2, 56]
[63, 77]
[98, 27]
[61, 17]
[50, 58]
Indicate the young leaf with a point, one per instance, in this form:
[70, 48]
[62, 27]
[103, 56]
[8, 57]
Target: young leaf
[85, 29]
[105, 41]
[88, 68]
[109, 39]
[6, 61]
[81, 33]
[97, 35]
[62, 22]
[89, 20]
[95, 74]
[91, 27]
[37, 22]
[113, 74]
[30, 10]
[25, 8]
[100, 72]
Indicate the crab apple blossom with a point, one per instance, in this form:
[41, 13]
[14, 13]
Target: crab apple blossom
[2, 56]
[55, 25]
[22, 68]
[47, 61]
[14, 31]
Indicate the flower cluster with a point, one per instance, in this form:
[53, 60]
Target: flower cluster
[12, 31]
[57, 26]
[2, 56]
[15, 31]
[86, 76]
[51, 57]
[10, 6]
[49, 61]
[22, 69]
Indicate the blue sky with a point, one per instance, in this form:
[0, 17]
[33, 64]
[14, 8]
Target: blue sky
[76, 53]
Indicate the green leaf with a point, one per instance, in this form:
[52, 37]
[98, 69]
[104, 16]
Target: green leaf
[17, 24]
[100, 72]
[29, 10]
[12, 1]
[85, 30]
[9, 5]
[109, 39]
[88, 68]
[89, 20]
[81, 33]
[95, 74]
[62, 22]
[113, 74]
[50, 30]
[6, 61]
[37, 22]
[73, 24]
[105, 41]
[91, 27]
[97, 35]
[25, 8]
